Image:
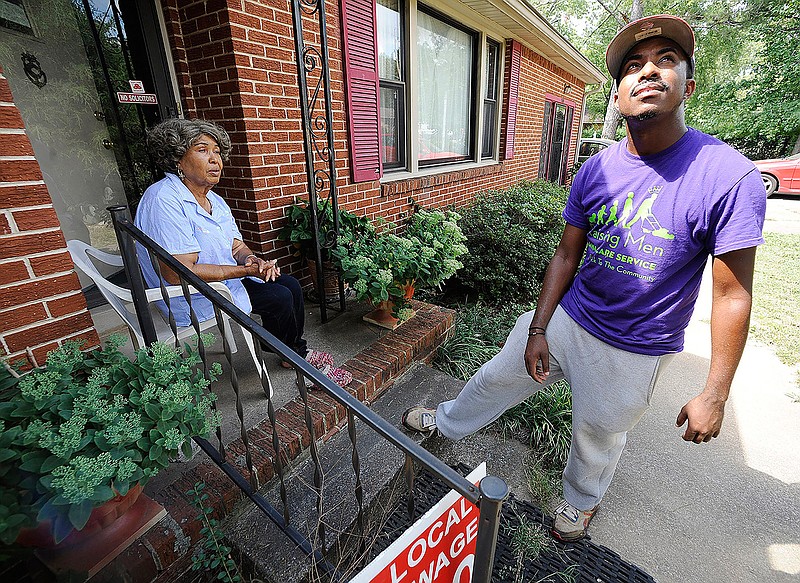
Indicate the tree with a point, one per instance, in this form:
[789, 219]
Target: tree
[754, 103]
[748, 83]
[613, 118]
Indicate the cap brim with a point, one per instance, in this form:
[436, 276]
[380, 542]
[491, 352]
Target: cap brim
[665, 26]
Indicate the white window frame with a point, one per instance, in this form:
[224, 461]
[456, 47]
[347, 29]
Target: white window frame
[409, 9]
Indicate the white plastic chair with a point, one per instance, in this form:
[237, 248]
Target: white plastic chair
[121, 300]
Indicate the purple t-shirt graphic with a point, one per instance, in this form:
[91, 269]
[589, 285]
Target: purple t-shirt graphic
[651, 223]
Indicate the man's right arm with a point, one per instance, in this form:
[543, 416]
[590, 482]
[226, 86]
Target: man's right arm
[558, 277]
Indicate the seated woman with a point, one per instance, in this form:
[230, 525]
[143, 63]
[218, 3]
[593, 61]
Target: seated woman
[183, 215]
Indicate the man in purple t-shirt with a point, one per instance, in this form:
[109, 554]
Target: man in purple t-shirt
[642, 219]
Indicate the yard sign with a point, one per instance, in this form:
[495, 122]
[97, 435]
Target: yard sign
[439, 547]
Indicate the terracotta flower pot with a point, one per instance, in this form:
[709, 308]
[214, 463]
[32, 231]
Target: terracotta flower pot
[382, 314]
[101, 517]
[111, 528]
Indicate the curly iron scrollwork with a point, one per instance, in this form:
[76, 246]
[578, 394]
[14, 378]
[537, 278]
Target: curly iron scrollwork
[317, 117]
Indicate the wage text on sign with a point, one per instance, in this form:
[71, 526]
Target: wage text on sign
[439, 547]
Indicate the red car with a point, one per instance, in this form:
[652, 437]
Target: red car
[782, 175]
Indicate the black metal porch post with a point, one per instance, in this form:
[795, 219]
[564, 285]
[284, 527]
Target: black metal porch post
[318, 141]
[494, 492]
[133, 272]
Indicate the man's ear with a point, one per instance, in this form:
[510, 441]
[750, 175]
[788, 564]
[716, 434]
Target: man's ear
[689, 89]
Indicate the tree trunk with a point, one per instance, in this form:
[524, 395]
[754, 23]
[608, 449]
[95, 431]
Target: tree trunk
[613, 118]
[796, 148]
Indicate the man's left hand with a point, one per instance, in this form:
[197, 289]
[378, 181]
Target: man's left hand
[704, 414]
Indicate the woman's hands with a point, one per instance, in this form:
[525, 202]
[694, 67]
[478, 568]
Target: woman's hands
[266, 270]
[253, 265]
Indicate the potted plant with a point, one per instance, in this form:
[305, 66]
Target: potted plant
[386, 268]
[299, 232]
[92, 428]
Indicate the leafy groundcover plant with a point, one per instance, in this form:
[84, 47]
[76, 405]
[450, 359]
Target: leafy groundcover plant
[87, 427]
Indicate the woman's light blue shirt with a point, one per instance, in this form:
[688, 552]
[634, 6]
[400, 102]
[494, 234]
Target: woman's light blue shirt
[170, 215]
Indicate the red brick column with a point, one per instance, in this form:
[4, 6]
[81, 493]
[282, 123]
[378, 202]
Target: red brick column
[41, 303]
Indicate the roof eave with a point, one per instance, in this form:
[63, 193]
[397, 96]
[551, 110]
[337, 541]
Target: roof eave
[534, 31]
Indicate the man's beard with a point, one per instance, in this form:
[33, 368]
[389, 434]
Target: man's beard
[641, 116]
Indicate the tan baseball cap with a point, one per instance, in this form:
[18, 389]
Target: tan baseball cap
[671, 27]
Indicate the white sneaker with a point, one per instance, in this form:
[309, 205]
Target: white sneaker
[569, 523]
[420, 419]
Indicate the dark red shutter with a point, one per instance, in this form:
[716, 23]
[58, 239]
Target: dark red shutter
[511, 98]
[361, 71]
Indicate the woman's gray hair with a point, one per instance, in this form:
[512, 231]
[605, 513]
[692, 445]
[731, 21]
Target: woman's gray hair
[172, 138]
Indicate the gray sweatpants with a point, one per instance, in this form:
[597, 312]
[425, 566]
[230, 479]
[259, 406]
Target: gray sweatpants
[611, 389]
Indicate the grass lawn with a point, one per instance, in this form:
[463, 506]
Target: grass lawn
[776, 297]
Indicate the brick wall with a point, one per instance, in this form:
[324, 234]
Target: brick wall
[41, 303]
[236, 64]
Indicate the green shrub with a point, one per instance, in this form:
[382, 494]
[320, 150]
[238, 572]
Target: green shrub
[511, 236]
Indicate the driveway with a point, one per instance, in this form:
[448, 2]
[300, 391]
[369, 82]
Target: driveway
[783, 214]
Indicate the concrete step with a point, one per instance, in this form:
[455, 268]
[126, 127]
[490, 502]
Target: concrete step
[264, 545]
[275, 557]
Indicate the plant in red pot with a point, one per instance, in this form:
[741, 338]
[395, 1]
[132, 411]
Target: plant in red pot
[386, 268]
[299, 232]
[81, 436]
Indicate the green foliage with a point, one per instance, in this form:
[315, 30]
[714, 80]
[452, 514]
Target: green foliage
[512, 235]
[213, 554]
[528, 541]
[748, 82]
[543, 480]
[439, 241]
[545, 421]
[750, 94]
[88, 426]
[379, 266]
[298, 229]
[480, 330]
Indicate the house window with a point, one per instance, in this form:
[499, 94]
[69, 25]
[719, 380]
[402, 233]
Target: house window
[445, 89]
[439, 112]
[491, 96]
[556, 129]
[392, 83]
[14, 17]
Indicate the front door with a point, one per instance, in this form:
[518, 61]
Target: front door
[89, 77]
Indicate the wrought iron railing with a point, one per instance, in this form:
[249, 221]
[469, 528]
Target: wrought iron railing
[313, 80]
[488, 495]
